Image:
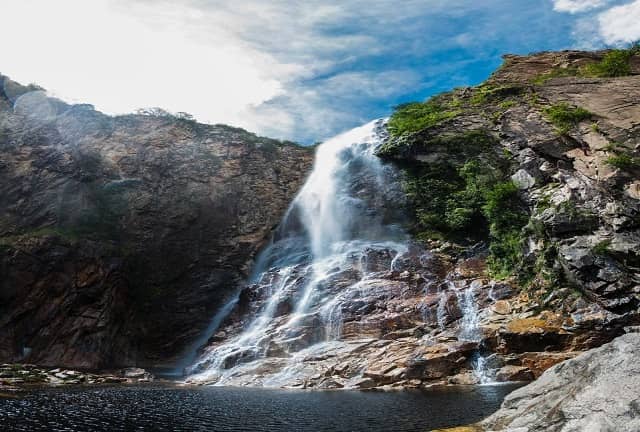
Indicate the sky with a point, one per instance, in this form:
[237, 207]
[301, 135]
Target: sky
[300, 70]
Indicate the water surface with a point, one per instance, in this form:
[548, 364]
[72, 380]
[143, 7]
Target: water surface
[165, 408]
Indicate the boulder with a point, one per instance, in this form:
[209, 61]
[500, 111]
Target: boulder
[514, 373]
[501, 307]
[595, 391]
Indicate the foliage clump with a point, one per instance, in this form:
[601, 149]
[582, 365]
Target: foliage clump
[505, 213]
[464, 193]
[415, 116]
[602, 248]
[558, 72]
[624, 161]
[564, 117]
[487, 93]
[614, 64]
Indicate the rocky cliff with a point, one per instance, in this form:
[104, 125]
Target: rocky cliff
[533, 176]
[524, 202]
[120, 236]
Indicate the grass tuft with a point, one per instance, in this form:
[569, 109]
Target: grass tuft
[564, 117]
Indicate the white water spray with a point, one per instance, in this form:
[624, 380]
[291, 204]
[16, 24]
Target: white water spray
[470, 330]
[336, 219]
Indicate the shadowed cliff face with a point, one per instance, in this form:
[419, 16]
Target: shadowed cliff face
[119, 236]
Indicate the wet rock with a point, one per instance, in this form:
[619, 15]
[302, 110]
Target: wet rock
[500, 291]
[538, 333]
[448, 308]
[137, 373]
[464, 378]
[329, 383]
[538, 362]
[438, 361]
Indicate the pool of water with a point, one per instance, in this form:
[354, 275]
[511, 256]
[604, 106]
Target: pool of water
[170, 408]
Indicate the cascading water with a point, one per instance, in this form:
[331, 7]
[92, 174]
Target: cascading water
[470, 330]
[316, 262]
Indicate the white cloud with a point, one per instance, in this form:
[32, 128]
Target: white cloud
[123, 56]
[291, 69]
[620, 24]
[271, 67]
[576, 6]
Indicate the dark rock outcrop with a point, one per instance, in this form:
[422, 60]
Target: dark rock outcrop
[120, 236]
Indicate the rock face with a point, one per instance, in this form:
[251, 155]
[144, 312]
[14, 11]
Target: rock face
[570, 147]
[120, 236]
[596, 391]
[525, 251]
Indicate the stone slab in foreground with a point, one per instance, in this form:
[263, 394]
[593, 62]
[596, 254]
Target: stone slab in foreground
[598, 391]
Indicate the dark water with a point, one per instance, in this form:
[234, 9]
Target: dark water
[231, 409]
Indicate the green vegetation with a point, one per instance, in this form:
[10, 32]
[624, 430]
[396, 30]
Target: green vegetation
[612, 146]
[555, 73]
[614, 64]
[624, 161]
[464, 193]
[487, 99]
[505, 213]
[488, 93]
[507, 104]
[69, 235]
[602, 248]
[415, 116]
[564, 117]
[469, 142]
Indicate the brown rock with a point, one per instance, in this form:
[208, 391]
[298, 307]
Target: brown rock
[538, 362]
[501, 307]
[514, 373]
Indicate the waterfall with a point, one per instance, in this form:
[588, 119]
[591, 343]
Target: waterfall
[344, 212]
[470, 330]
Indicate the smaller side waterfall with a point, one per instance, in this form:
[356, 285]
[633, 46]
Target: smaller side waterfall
[191, 353]
[469, 323]
[470, 329]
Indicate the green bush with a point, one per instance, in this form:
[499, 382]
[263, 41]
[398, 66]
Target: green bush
[472, 201]
[614, 64]
[502, 206]
[506, 216]
[505, 254]
[555, 73]
[415, 116]
[487, 93]
[601, 248]
[623, 161]
[564, 116]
